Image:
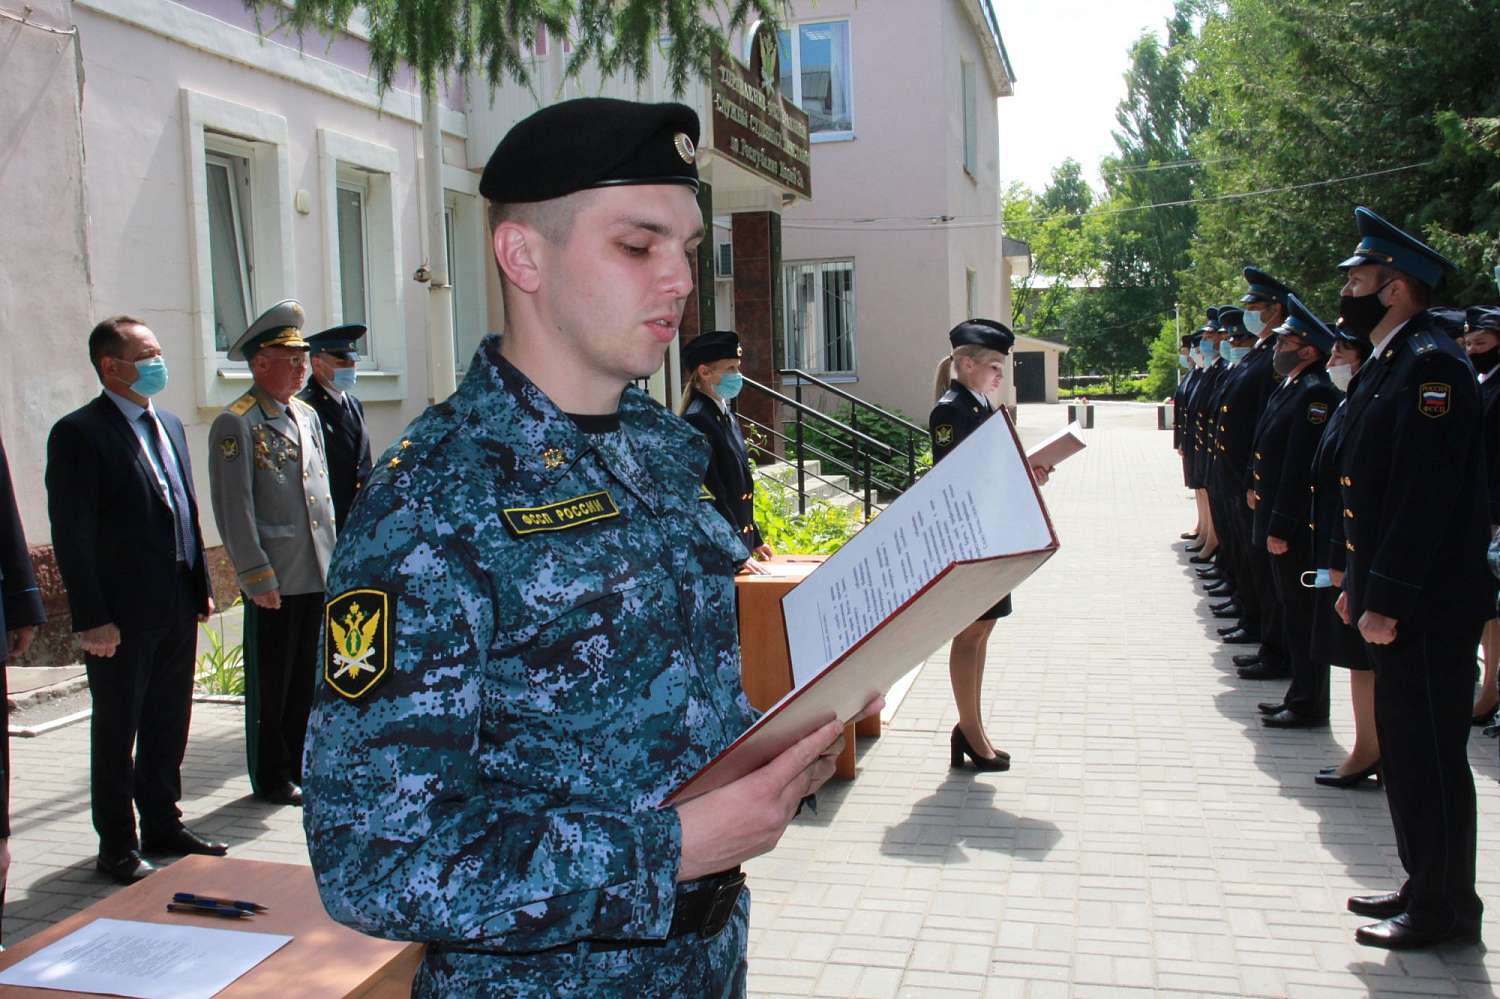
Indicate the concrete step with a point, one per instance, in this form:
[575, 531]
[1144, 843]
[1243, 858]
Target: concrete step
[833, 492]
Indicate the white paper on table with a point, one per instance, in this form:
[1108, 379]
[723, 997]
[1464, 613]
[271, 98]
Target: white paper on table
[966, 534]
[1058, 448]
[145, 960]
[979, 502]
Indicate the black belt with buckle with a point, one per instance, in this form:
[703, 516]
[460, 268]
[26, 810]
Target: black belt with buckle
[703, 906]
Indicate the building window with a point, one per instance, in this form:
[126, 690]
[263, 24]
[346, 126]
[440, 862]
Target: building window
[814, 62]
[820, 316]
[229, 244]
[466, 234]
[971, 118]
[354, 255]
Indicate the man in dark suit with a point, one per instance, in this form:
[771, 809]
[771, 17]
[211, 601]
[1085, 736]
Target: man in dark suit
[125, 531]
[1416, 525]
[330, 392]
[20, 613]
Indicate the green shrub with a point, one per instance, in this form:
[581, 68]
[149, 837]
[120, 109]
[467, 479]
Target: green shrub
[221, 669]
[1162, 371]
[822, 530]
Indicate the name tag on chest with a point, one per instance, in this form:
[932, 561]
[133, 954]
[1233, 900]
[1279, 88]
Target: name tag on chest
[560, 516]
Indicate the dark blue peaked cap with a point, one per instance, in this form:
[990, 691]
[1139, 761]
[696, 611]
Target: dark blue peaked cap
[1263, 287]
[1450, 320]
[1301, 322]
[1382, 243]
[1232, 321]
[1212, 323]
[1482, 317]
[338, 341]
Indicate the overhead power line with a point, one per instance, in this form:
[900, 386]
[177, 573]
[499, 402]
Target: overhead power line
[947, 222]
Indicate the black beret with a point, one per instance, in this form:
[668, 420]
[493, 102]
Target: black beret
[982, 333]
[593, 142]
[706, 348]
[1482, 317]
[339, 340]
[1263, 287]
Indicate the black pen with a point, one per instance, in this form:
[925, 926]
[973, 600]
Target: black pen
[208, 910]
[189, 897]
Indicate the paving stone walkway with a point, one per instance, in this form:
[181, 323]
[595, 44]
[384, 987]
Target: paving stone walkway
[1151, 838]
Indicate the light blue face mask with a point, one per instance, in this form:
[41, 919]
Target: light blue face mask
[729, 386]
[1320, 580]
[1253, 322]
[150, 376]
[1183, 361]
[1238, 354]
[344, 378]
[1225, 350]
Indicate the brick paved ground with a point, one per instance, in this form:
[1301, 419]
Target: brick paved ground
[1150, 839]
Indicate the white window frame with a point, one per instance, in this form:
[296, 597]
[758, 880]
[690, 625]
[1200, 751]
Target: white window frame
[234, 157]
[794, 32]
[969, 94]
[353, 180]
[342, 160]
[211, 121]
[820, 368]
[467, 264]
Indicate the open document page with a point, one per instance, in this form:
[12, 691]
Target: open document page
[946, 550]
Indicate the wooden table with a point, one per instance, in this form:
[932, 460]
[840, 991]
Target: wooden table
[323, 958]
[765, 662]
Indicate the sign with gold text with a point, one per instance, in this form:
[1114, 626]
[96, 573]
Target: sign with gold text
[753, 127]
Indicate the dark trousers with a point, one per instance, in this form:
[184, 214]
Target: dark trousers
[1424, 688]
[1273, 648]
[1308, 693]
[281, 662]
[142, 703]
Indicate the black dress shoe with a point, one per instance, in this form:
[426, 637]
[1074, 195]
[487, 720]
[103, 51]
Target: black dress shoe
[1270, 707]
[285, 793]
[1192, 548]
[1189, 535]
[1239, 636]
[1209, 573]
[1223, 588]
[1201, 559]
[1480, 721]
[181, 841]
[1378, 906]
[1230, 613]
[1261, 671]
[127, 868]
[959, 747]
[1400, 933]
[1244, 661]
[1288, 718]
[1224, 605]
[1332, 778]
[1226, 632]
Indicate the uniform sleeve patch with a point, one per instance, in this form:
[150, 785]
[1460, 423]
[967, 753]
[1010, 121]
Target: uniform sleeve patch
[1317, 412]
[229, 448]
[943, 434]
[1434, 399]
[704, 494]
[562, 515]
[357, 641]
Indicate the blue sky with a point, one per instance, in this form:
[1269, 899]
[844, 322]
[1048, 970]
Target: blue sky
[1069, 57]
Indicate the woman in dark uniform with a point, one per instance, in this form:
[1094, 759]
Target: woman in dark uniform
[966, 379]
[711, 363]
[1333, 641]
[1482, 344]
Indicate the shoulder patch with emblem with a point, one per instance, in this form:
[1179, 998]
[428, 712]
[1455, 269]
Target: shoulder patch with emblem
[562, 515]
[229, 448]
[704, 494]
[357, 641]
[943, 434]
[1434, 398]
[242, 405]
[1317, 412]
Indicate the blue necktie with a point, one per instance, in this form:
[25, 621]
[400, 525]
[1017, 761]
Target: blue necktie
[186, 550]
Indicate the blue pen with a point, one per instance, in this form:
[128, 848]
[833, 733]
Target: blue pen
[190, 898]
[201, 909]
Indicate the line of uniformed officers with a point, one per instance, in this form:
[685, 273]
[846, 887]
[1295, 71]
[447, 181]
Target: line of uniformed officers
[1344, 479]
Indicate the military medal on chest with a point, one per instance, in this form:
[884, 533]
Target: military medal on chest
[273, 452]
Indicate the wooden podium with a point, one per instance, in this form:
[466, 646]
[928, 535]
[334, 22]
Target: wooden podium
[323, 958]
[765, 663]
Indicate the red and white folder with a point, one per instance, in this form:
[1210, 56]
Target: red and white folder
[949, 548]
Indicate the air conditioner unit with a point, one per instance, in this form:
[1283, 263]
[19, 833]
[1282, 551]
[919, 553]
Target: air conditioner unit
[724, 260]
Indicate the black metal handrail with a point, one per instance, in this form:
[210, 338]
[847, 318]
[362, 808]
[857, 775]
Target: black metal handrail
[914, 433]
[867, 500]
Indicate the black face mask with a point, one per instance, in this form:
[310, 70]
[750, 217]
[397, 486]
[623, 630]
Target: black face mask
[1484, 362]
[1284, 362]
[1360, 314]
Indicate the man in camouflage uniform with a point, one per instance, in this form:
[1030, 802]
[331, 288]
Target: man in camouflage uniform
[268, 475]
[529, 641]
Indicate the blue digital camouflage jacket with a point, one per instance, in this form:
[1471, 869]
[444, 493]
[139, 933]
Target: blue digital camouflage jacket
[530, 640]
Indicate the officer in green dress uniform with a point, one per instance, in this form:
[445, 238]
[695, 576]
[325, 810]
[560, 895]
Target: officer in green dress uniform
[530, 632]
[268, 475]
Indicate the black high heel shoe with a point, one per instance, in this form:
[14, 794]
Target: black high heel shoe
[1332, 778]
[959, 748]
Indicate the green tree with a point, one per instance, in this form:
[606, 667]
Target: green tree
[1065, 243]
[437, 37]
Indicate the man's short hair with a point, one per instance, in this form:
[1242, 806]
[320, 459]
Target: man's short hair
[553, 219]
[1421, 293]
[108, 339]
